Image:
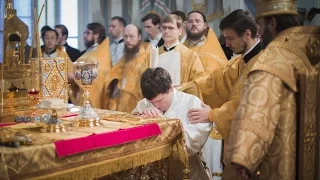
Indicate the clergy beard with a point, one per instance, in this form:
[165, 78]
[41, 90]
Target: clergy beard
[242, 50]
[130, 53]
[89, 43]
[194, 36]
[267, 37]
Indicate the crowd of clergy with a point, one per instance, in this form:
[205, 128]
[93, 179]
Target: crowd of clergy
[231, 109]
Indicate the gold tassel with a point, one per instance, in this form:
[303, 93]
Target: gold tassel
[110, 166]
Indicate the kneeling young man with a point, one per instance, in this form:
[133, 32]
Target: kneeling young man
[161, 99]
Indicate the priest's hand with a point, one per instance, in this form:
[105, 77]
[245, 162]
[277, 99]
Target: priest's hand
[199, 115]
[152, 112]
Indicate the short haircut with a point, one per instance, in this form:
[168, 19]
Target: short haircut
[284, 21]
[195, 11]
[155, 18]
[169, 19]
[240, 21]
[120, 19]
[64, 30]
[180, 14]
[98, 28]
[46, 30]
[155, 81]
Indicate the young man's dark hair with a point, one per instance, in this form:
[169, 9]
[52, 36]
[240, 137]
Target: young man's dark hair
[46, 30]
[180, 14]
[169, 19]
[155, 81]
[203, 16]
[98, 28]
[64, 30]
[240, 21]
[120, 19]
[155, 18]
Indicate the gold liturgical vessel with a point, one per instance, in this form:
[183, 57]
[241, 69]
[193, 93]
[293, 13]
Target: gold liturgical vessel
[86, 74]
[18, 72]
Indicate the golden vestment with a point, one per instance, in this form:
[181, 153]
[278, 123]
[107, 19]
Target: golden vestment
[211, 54]
[227, 86]
[127, 77]
[274, 130]
[102, 55]
[222, 90]
[191, 69]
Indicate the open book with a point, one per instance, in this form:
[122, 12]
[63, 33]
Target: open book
[169, 61]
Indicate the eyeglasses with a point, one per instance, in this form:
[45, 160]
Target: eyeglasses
[87, 32]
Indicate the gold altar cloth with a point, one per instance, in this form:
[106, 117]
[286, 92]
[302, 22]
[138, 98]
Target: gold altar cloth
[39, 161]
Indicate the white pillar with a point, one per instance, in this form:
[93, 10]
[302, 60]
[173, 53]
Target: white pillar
[180, 5]
[116, 8]
[95, 11]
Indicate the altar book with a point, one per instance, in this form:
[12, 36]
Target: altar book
[169, 61]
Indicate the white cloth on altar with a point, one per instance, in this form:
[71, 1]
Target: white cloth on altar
[196, 134]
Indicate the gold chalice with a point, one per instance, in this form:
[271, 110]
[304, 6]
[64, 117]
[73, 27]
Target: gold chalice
[85, 74]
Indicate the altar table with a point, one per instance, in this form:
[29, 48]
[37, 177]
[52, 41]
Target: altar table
[150, 157]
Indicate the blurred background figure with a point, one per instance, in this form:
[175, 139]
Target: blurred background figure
[116, 28]
[63, 33]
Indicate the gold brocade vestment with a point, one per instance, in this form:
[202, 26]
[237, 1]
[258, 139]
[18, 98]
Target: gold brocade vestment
[102, 55]
[210, 53]
[225, 89]
[191, 69]
[125, 77]
[276, 127]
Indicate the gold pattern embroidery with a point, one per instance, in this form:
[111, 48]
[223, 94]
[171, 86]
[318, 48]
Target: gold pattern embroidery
[215, 134]
[310, 136]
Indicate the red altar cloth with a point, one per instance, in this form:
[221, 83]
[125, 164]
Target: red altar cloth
[95, 141]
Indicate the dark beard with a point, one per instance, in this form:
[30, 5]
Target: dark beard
[243, 48]
[266, 38]
[130, 53]
[89, 44]
[194, 36]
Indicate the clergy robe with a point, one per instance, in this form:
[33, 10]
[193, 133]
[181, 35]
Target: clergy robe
[102, 55]
[196, 134]
[122, 84]
[225, 87]
[191, 69]
[211, 53]
[273, 134]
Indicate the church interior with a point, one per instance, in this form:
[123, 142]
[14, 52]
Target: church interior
[160, 89]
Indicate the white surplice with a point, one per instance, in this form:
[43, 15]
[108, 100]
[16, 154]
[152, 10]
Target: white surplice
[196, 134]
[212, 152]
